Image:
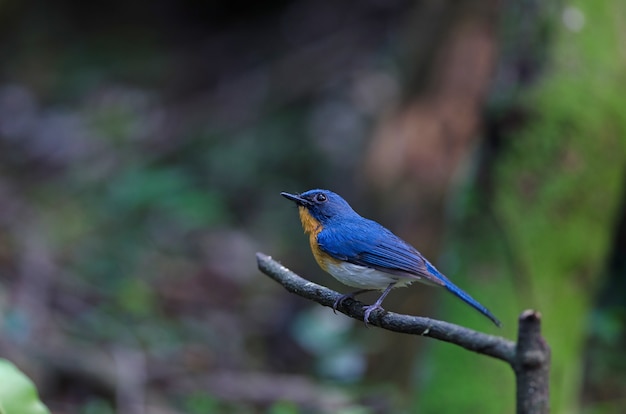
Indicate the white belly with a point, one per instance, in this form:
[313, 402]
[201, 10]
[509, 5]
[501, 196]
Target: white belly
[364, 277]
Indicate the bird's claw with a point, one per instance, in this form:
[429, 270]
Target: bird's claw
[368, 310]
[340, 300]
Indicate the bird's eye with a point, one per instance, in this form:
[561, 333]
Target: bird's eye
[320, 198]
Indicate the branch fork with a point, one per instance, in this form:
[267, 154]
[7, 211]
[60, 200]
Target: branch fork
[529, 357]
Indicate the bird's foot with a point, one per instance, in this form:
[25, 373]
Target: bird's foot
[368, 310]
[350, 295]
[340, 300]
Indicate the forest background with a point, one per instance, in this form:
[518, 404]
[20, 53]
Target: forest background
[143, 148]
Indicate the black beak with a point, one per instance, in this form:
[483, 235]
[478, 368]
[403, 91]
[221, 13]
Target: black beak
[296, 199]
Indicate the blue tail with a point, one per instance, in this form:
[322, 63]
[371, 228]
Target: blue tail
[462, 295]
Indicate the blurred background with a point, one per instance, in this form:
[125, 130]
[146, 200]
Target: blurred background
[143, 147]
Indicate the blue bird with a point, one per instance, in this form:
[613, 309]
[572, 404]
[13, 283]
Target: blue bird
[363, 254]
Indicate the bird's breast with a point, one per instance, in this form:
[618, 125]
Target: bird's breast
[362, 277]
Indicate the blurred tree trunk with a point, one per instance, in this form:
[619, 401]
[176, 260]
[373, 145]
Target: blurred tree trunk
[535, 211]
[449, 59]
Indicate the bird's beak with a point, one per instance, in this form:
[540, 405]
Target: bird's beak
[296, 199]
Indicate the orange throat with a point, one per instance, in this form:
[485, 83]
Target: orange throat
[312, 227]
[309, 224]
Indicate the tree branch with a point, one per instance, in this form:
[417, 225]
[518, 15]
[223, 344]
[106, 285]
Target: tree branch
[481, 343]
[529, 358]
[532, 366]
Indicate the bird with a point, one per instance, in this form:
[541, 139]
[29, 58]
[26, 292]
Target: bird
[363, 254]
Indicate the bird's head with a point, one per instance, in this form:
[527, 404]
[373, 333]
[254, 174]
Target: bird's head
[319, 207]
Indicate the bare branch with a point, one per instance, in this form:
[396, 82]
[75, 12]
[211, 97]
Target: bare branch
[494, 346]
[532, 366]
[529, 358]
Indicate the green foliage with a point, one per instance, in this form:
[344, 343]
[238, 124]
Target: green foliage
[167, 192]
[560, 186]
[98, 406]
[283, 407]
[201, 403]
[557, 188]
[18, 394]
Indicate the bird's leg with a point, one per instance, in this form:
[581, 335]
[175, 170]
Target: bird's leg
[377, 305]
[351, 295]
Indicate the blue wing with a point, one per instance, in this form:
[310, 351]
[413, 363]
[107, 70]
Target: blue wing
[367, 243]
